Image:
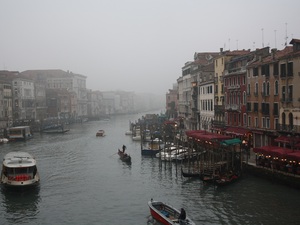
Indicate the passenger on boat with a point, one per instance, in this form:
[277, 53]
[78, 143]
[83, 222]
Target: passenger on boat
[182, 215]
[124, 148]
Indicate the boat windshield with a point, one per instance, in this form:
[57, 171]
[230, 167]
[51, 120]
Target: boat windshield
[12, 172]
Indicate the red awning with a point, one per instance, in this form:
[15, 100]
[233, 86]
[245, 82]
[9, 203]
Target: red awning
[208, 136]
[237, 131]
[190, 133]
[294, 156]
[274, 151]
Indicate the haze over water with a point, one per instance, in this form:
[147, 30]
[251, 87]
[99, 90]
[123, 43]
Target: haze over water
[84, 182]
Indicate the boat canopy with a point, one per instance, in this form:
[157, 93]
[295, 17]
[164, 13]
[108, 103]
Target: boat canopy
[18, 159]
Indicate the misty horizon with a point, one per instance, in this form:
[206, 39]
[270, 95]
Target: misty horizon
[137, 46]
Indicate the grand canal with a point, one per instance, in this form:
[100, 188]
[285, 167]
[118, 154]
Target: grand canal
[84, 182]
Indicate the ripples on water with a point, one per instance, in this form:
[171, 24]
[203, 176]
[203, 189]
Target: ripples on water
[84, 182]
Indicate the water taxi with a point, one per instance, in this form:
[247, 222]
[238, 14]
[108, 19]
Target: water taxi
[19, 170]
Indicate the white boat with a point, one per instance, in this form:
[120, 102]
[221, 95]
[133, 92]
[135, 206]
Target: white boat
[129, 132]
[19, 170]
[177, 154]
[3, 140]
[137, 135]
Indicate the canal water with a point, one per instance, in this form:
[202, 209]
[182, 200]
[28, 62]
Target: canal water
[84, 182]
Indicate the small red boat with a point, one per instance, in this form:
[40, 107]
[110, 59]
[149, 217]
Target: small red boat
[167, 214]
[100, 133]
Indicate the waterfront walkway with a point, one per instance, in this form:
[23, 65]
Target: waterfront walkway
[283, 177]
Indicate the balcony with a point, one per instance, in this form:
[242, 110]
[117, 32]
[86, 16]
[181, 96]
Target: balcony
[236, 86]
[288, 128]
[233, 107]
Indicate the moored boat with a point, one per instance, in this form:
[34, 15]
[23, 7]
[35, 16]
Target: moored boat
[100, 133]
[124, 156]
[227, 179]
[190, 173]
[3, 140]
[19, 170]
[55, 129]
[166, 214]
[152, 148]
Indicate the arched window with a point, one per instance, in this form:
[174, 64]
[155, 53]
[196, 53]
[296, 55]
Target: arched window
[291, 123]
[264, 88]
[268, 88]
[283, 120]
[256, 89]
[276, 88]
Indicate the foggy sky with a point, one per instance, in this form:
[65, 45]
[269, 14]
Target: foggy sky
[136, 45]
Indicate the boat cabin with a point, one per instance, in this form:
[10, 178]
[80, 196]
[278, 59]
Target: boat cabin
[19, 133]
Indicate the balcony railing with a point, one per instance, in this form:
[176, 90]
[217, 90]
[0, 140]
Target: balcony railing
[288, 128]
[232, 107]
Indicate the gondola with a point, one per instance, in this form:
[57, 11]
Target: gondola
[190, 173]
[226, 180]
[124, 156]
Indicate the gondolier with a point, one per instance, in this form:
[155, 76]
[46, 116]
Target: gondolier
[124, 148]
[182, 215]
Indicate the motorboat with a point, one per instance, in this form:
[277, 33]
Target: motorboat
[100, 133]
[19, 170]
[166, 214]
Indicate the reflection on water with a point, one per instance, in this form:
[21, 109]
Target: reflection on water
[83, 181]
[20, 204]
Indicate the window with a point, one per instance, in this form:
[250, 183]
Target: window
[248, 89]
[255, 71]
[264, 89]
[255, 105]
[276, 88]
[249, 121]
[275, 109]
[248, 106]
[290, 93]
[290, 69]
[276, 121]
[263, 121]
[268, 89]
[256, 122]
[256, 89]
[282, 70]
[275, 69]
[283, 93]
[265, 108]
